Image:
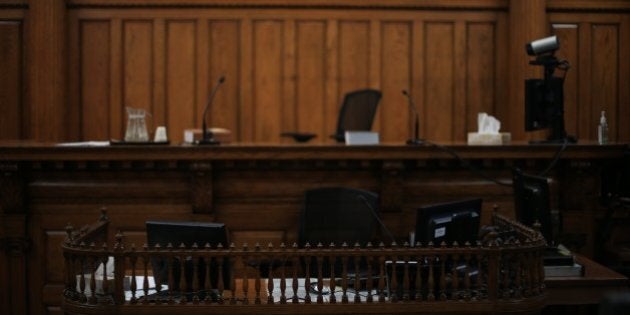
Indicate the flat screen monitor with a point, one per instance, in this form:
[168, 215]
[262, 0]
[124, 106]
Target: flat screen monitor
[531, 201]
[449, 222]
[187, 233]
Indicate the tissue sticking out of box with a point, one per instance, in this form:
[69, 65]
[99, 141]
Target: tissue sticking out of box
[488, 128]
[487, 124]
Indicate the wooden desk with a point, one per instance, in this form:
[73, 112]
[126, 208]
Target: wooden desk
[589, 289]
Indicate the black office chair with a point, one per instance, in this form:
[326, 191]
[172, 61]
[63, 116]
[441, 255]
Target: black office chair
[188, 233]
[357, 112]
[331, 215]
[337, 215]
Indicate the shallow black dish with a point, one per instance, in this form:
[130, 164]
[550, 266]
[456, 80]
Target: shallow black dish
[299, 136]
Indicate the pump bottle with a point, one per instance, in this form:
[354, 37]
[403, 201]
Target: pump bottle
[602, 129]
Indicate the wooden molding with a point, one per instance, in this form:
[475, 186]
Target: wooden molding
[588, 6]
[552, 5]
[302, 4]
[14, 4]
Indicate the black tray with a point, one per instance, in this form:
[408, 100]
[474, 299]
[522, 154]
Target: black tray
[299, 136]
[122, 142]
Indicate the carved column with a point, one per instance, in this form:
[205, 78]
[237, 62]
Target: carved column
[201, 187]
[14, 243]
[527, 22]
[392, 186]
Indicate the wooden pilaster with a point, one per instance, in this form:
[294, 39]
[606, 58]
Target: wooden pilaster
[46, 70]
[527, 22]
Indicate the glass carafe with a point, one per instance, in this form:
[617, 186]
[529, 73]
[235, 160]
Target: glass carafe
[136, 125]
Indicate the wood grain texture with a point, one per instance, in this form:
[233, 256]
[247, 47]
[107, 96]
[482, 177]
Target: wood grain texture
[11, 79]
[291, 75]
[594, 46]
[45, 65]
[137, 74]
[527, 22]
[310, 69]
[258, 190]
[180, 76]
[268, 40]
[475, 4]
[287, 67]
[395, 118]
[362, 48]
[95, 74]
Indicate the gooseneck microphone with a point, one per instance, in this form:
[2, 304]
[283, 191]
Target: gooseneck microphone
[373, 213]
[412, 108]
[206, 137]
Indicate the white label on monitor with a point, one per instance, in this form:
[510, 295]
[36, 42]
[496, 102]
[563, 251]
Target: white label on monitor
[439, 232]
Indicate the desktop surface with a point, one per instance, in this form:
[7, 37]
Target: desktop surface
[590, 288]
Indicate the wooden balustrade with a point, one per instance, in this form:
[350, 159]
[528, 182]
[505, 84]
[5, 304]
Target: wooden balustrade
[500, 272]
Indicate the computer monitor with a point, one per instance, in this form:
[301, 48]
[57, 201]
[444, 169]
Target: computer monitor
[531, 201]
[449, 222]
[187, 233]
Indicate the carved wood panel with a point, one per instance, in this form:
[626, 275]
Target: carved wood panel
[11, 77]
[595, 46]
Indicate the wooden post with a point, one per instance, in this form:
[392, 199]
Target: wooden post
[527, 22]
[14, 242]
[119, 269]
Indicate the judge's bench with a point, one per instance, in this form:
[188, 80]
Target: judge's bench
[257, 191]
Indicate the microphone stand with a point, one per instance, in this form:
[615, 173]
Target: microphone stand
[553, 99]
[412, 108]
[206, 138]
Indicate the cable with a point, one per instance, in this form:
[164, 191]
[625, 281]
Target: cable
[556, 158]
[481, 174]
[467, 164]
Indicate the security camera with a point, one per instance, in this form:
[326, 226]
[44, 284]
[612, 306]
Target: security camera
[543, 46]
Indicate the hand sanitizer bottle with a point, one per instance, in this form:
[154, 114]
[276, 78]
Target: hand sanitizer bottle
[602, 129]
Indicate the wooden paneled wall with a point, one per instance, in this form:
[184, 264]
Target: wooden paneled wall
[11, 75]
[597, 46]
[288, 64]
[285, 69]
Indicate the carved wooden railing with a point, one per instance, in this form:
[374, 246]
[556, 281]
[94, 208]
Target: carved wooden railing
[503, 272]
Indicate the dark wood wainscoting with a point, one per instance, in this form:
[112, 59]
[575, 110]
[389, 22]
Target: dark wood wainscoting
[257, 191]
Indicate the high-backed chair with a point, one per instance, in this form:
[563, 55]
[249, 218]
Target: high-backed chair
[188, 233]
[357, 112]
[337, 215]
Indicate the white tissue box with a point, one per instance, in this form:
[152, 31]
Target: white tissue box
[475, 138]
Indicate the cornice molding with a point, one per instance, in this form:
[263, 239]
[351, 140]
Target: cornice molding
[599, 6]
[474, 5]
[13, 4]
